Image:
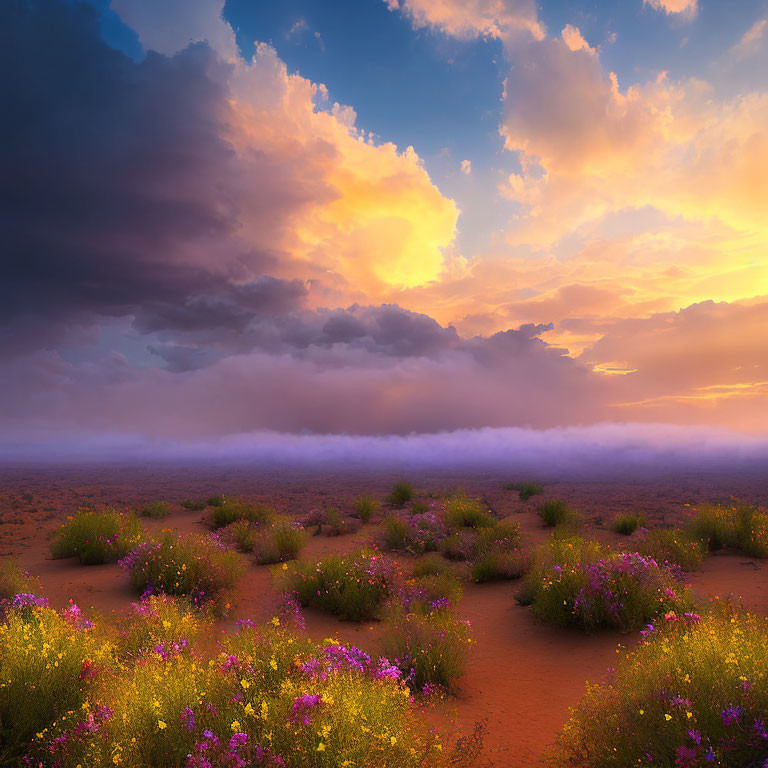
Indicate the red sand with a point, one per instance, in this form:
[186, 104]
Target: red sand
[521, 677]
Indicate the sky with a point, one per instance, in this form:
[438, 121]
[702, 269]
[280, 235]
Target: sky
[382, 217]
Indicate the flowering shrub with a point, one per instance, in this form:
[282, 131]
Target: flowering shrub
[430, 591]
[428, 647]
[157, 509]
[741, 526]
[627, 523]
[48, 662]
[97, 536]
[13, 580]
[417, 533]
[577, 582]
[330, 522]
[270, 699]
[273, 542]
[159, 624]
[352, 586]
[229, 510]
[671, 546]
[694, 694]
[190, 565]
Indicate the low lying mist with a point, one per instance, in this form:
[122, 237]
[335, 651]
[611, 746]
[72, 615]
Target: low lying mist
[591, 451]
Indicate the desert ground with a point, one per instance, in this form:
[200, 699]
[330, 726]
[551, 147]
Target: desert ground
[521, 676]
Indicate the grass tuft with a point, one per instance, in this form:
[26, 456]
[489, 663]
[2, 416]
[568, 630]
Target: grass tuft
[627, 523]
[554, 512]
[365, 507]
[231, 510]
[401, 493]
[157, 510]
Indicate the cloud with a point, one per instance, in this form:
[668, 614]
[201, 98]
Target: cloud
[184, 181]
[616, 184]
[679, 7]
[466, 167]
[467, 19]
[381, 371]
[706, 362]
[575, 41]
[751, 40]
[169, 26]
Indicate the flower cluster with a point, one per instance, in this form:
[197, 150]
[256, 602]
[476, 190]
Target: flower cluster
[579, 583]
[693, 695]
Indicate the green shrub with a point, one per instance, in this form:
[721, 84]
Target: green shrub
[695, 693]
[504, 536]
[194, 506]
[419, 507]
[628, 522]
[458, 546]
[365, 507]
[283, 540]
[714, 525]
[496, 566]
[215, 501]
[431, 564]
[352, 586]
[429, 648]
[741, 527]
[242, 535]
[525, 490]
[96, 536]
[462, 511]
[230, 510]
[47, 664]
[333, 518]
[191, 565]
[555, 512]
[573, 581]
[157, 510]
[397, 533]
[401, 493]
[673, 546]
[487, 544]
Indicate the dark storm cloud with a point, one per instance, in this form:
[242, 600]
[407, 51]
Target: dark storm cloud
[115, 186]
[232, 309]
